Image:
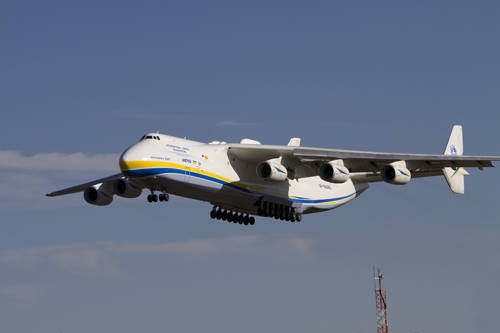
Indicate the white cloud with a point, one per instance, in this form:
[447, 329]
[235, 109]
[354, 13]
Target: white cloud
[58, 161]
[75, 258]
[21, 293]
[97, 258]
[298, 245]
[28, 178]
[195, 247]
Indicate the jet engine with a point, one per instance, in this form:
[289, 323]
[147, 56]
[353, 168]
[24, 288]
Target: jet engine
[334, 172]
[396, 173]
[272, 170]
[98, 195]
[125, 189]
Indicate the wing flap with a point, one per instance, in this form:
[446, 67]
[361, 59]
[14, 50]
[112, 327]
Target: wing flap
[359, 161]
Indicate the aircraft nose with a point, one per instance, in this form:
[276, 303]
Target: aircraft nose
[128, 158]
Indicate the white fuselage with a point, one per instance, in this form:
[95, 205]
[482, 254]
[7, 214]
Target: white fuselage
[207, 172]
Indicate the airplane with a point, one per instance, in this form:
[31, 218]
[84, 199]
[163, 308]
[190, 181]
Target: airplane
[251, 179]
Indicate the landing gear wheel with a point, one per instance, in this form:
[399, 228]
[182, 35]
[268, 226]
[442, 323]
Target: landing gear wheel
[229, 217]
[218, 214]
[252, 220]
[161, 197]
[224, 215]
[154, 197]
[299, 217]
[150, 199]
[212, 214]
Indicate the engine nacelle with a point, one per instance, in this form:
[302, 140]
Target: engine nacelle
[125, 189]
[98, 195]
[396, 173]
[334, 172]
[272, 170]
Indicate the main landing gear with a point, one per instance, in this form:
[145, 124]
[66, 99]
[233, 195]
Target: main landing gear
[279, 212]
[230, 216]
[161, 197]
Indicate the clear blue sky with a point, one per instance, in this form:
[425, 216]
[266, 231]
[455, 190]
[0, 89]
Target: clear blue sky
[385, 76]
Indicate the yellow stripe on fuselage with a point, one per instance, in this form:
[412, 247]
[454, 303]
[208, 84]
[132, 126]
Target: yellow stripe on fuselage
[132, 165]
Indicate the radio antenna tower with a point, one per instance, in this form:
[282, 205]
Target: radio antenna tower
[380, 302]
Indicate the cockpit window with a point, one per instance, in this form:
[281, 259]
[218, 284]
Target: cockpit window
[152, 137]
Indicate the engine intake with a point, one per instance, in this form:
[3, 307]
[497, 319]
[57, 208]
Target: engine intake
[97, 195]
[272, 170]
[125, 189]
[396, 173]
[334, 172]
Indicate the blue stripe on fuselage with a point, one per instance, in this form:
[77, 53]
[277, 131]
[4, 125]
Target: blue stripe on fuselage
[158, 171]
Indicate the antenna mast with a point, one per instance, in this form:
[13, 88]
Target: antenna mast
[380, 302]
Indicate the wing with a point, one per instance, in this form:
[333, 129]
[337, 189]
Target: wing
[83, 187]
[365, 166]
[358, 161]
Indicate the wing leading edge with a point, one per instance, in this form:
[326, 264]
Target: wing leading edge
[83, 187]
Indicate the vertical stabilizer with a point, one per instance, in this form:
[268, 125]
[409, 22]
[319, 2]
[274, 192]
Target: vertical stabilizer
[455, 177]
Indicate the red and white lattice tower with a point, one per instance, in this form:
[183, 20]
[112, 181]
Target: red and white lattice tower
[381, 303]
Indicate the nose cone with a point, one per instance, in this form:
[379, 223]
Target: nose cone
[130, 157]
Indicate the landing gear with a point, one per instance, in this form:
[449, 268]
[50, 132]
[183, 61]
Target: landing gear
[155, 198]
[298, 217]
[230, 216]
[279, 212]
